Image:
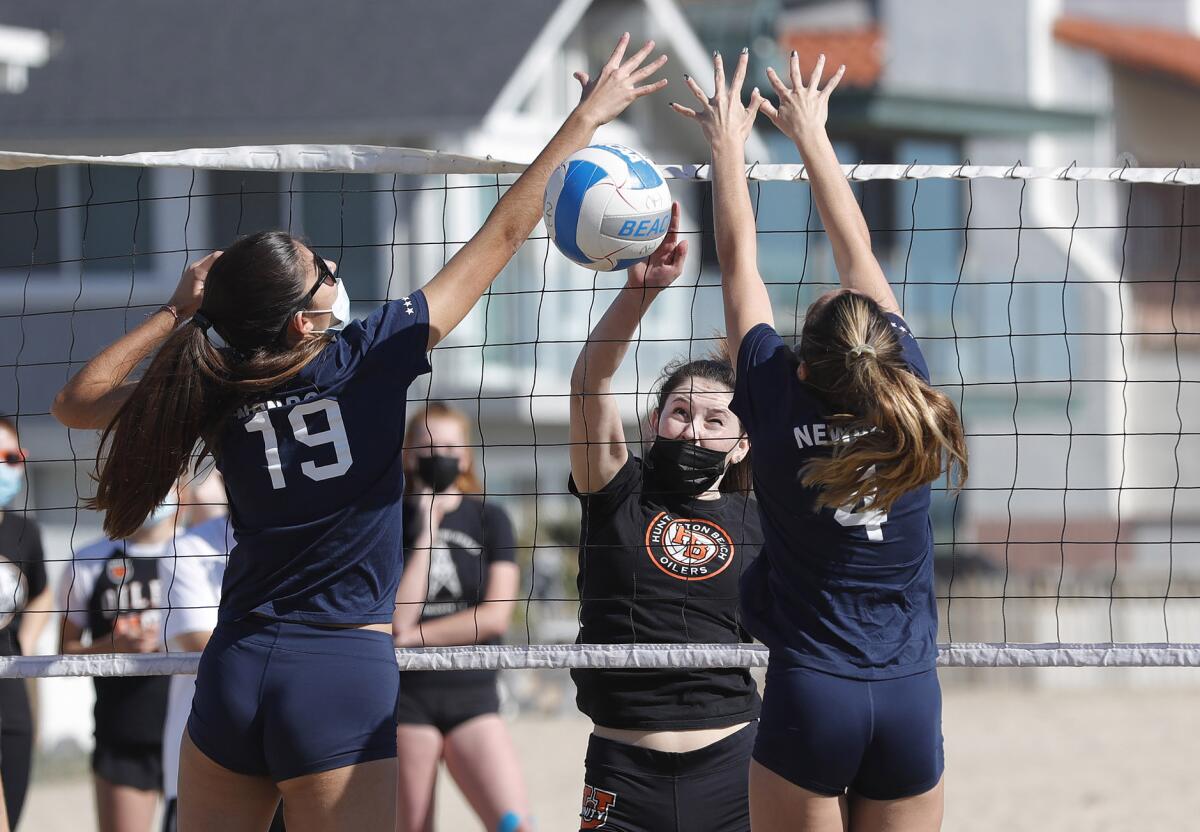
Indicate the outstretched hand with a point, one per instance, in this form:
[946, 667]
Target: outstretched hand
[723, 118]
[665, 264]
[619, 83]
[802, 109]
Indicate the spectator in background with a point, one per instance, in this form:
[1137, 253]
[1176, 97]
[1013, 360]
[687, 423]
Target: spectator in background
[24, 605]
[460, 579]
[113, 596]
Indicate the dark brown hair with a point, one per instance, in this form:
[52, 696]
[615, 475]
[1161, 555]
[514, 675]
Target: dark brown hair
[718, 369]
[468, 481]
[898, 432]
[191, 385]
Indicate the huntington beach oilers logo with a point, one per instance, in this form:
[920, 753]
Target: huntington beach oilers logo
[596, 806]
[688, 548]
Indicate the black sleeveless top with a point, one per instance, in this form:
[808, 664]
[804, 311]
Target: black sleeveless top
[656, 569]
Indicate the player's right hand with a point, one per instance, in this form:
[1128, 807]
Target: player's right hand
[619, 83]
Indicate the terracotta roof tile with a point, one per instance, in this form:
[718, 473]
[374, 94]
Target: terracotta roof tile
[1142, 48]
[861, 50]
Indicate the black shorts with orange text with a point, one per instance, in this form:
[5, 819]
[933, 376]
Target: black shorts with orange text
[631, 789]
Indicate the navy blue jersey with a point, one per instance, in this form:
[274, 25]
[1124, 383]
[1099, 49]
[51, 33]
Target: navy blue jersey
[846, 591]
[314, 479]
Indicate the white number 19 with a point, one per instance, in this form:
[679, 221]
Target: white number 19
[334, 435]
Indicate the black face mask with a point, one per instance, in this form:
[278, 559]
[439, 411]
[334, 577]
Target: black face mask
[683, 468]
[438, 472]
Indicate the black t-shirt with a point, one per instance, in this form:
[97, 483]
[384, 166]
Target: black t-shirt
[114, 580]
[661, 570]
[22, 574]
[470, 539]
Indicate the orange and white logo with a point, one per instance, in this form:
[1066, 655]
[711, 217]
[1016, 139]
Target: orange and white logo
[688, 548]
[596, 803]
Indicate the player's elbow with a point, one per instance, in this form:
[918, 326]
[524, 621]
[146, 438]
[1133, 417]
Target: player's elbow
[64, 408]
[494, 620]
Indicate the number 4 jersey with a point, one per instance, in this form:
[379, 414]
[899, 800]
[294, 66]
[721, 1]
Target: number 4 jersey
[314, 478]
[847, 591]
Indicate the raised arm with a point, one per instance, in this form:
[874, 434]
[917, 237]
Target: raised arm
[727, 125]
[92, 397]
[456, 288]
[597, 436]
[801, 116]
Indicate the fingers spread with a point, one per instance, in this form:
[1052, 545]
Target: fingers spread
[614, 60]
[833, 82]
[777, 82]
[814, 81]
[696, 91]
[739, 74]
[683, 111]
[649, 88]
[636, 59]
[648, 70]
[756, 102]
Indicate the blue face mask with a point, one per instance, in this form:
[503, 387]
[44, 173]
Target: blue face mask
[12, 477]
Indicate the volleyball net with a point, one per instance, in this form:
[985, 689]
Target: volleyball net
[1059, 308]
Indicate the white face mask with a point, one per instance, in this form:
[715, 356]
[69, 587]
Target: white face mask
[165, 510]
[340, 310]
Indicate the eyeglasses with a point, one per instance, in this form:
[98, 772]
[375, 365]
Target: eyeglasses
[325, 277]
[12, 458]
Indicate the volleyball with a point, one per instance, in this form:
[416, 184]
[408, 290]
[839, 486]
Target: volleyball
[607, 207]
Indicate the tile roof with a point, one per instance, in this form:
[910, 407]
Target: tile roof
[1141, 48]
[860, 49]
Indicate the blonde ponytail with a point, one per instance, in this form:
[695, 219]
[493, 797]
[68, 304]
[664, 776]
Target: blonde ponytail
[898, 432]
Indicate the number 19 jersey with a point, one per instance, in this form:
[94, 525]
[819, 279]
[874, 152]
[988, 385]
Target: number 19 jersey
[847, 591]
[313, 474]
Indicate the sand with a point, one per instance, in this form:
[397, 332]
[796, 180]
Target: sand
[1017, 759]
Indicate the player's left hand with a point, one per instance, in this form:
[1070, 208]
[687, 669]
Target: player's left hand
[723, 118]
[665, 264]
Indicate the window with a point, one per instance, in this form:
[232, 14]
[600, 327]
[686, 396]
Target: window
[115, 221]
[1160, 256]
[340, 220]
[28, 235]
[241, 203]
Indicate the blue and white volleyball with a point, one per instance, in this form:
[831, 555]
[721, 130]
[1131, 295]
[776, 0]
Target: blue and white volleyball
[607, 207]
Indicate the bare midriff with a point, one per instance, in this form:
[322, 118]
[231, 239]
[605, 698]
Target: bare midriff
[676, 742]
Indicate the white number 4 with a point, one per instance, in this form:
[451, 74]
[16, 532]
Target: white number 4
[334, 435]
[868, 518]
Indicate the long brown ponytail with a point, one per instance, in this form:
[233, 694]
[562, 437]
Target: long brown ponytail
[898, 432]
[191, 385]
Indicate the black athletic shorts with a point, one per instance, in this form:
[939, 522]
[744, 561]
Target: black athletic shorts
[136, 765]
[448, 705]
[631, 789]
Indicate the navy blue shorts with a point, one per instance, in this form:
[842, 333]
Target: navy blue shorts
[829, 734]
[280, 700]
[631, 789]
